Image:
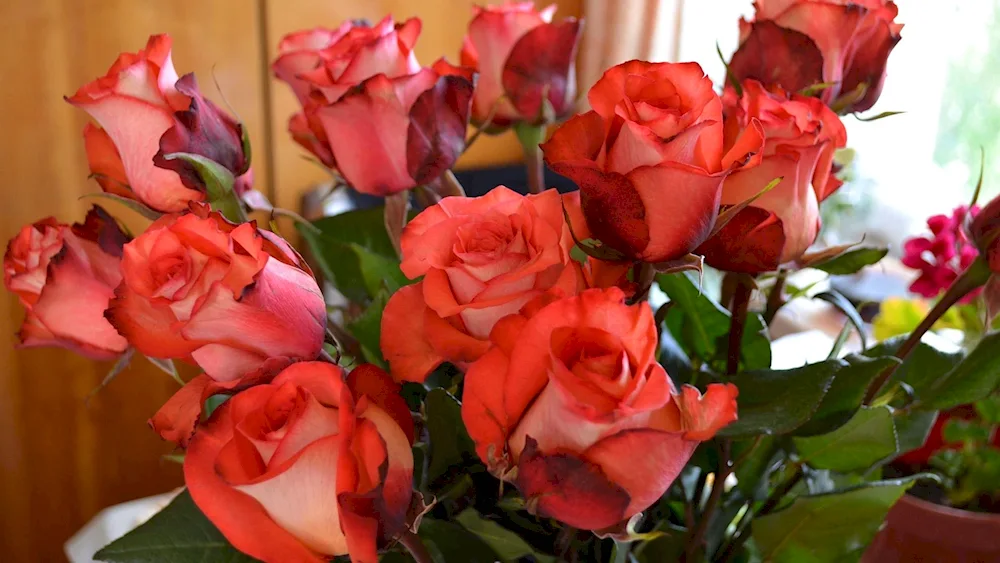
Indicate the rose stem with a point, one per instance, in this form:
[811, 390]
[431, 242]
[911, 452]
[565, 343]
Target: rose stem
[772, 502]
[741, 302]
[775, 297]
[643, 273]
[718, 486]
[416, 547]
[530, 137]
[974, 276]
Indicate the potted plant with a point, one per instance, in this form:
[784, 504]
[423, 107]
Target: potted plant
[514, 377]
[956, 518]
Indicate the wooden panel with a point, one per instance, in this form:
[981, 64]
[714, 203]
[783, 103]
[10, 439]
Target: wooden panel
[60, 460]
[444, 25]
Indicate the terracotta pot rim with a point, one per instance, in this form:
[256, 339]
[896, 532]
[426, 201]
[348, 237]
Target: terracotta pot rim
[922, 504]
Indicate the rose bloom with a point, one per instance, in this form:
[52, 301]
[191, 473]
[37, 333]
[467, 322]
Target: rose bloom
[649, 158]
[305, 467]
[801, 136]
[369, 109]
[64, 277]
[572, 407]
[801, 43]
[138, 102]
[985, 232]
[523, 61]
[481, 259]
[226, 296]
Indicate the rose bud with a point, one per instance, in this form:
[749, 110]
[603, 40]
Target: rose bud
[801, 43]
[801, 136]
[985, 232]
[226, 296]
[64, 276]
[524, 60]
[652, 145]
[481, 259]
[138, 102]
[572, 407]
[304, 468]
[370, 110]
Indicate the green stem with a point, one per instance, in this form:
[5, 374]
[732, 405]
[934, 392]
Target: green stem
[775, 299]
[531, 137]
[769, 505]
[697, 535]
[973, 277]
[621, 551]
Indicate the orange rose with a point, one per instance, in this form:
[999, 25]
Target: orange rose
[64, 277]
[652, 148]
[305, 467]
[481, 259]
[227, 296]
[799, 43]
[801, 136]
[572, 407]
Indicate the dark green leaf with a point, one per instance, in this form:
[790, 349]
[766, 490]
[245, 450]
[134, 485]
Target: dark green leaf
[354, 253]
[448, 542]
[367, 328]
[852, 261]
[882, 115]
[218, 182]
[921, 368]
[866, 439]
[668, 547]
[825, 528]
[972, 379]
[508, 545]
[989, 409]
[179, 533]
[779, 401]
[843, 305]
[846, 394]
[701, 326]
[754, 470]
[450, 443]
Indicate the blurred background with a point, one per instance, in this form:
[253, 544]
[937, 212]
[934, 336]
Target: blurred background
[64, 458]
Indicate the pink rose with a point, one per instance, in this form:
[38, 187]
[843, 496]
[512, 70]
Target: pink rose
[524, 60]
[138, 103]
[64, 277]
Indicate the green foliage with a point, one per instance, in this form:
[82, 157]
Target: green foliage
[701, 326]
[179, 533]
[507, 545]
[355, 254]
[827, 528]
[450, 443]
[367, 328]
[780, 401]
[974, 378]
[448, 542]
[925, 364]
[846, 393]
[754, 471]
[852, 261]
[867, 438]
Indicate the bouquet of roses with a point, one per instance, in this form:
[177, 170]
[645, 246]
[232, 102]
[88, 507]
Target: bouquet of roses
[499, 385]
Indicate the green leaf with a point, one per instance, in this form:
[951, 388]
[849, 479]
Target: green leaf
[913, 428]
[508, 545]
[852, 261]
[779, 401]
[843, 305]
[448, 542]
[367, 328]
[701, 326]
[882, 115]
[667, 547]
[957, 431]
[134, 205]
[754, 470]
[866, 439]
[846, 394]
[921, 368]
[355, 254]
[179, 533]
[825, 528]
[974, 378]
[450, 443]
[989, 409]
[218, 182]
